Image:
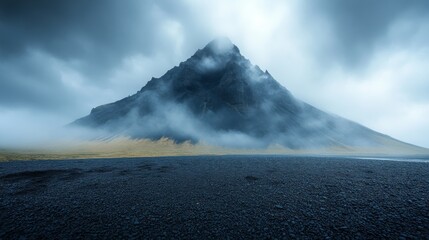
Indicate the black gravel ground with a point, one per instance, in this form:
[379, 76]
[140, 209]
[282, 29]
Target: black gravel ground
[209, 197]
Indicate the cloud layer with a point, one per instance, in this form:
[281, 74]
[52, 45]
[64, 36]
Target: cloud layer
[365, 60]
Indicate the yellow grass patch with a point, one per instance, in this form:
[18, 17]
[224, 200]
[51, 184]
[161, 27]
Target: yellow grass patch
[125, 147]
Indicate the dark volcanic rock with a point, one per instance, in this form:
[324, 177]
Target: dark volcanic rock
[219, 97]
[215, 197]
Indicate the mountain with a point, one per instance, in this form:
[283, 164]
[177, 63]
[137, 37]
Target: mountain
[218, 97]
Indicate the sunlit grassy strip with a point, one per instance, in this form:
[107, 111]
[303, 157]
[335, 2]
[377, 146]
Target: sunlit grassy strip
[125, 147]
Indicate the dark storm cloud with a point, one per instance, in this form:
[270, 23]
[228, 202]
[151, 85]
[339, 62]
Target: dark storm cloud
[25, 80]
[91, 37]
[360, 27]
[97, 32]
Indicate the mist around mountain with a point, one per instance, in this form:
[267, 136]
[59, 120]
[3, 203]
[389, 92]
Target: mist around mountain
[218, 97]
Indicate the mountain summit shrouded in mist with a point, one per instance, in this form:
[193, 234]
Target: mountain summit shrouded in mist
[218, 97]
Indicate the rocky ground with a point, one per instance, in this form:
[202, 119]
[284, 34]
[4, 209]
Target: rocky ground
[214, 197]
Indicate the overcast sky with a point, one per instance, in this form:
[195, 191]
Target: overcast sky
[364, 60]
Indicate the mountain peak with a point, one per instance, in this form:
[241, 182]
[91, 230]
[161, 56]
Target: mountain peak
[221, 46]
[215, 57]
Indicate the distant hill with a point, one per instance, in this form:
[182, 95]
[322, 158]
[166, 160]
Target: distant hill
[218, 97]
